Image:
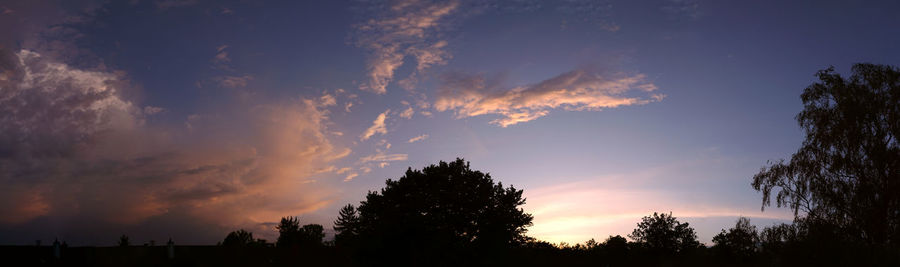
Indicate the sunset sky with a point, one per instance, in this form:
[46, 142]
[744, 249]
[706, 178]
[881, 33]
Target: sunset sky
[190, 118]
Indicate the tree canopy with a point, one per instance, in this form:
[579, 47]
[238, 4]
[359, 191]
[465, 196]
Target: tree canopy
[291, 234]
[738, 241]
[846, 173]
[447, 205]
[663, 233]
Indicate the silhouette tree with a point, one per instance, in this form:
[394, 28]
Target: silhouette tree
[443, 207]
[847, 171]
[290, 234]
[346, 226]
[739, 241]
[239, 238]
[123, 241]
[616, 244]
[311, 235]
[774, 238]
[661, 232]
[615, 250]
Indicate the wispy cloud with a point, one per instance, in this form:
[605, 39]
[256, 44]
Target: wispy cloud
[407, 113]
[404, 29]
[682, 9]
[581, 90]
[417, 138]
[150, 110]
[381, 157]
[378, 126]
[233, 81]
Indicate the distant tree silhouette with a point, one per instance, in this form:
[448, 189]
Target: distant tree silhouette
[739, 241]
[442, 207]
[312, 235]
[239, 238]
[124, 241]
[847, 172]
[346, 226]
[616, 244]
[615, 250]
[774, 238]
[663, 233]
[290, 234]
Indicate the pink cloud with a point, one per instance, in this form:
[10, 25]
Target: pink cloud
[581, 90]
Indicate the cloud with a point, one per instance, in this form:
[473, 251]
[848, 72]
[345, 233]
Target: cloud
[233, 81]
[407, 113]
[682, 9]
[221, 60]
[350, 176]
[580, 90]
[405, 29]
[150, 110]
[417, 138]
[381, 157]
[377, 126]
[68, 156]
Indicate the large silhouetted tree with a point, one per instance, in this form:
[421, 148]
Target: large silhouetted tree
[442, 207]
[663, 233]
[346, 226]
[739, 241]
[847, 172]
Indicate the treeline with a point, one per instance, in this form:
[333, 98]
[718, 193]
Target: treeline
[448, 214]
[843, 186]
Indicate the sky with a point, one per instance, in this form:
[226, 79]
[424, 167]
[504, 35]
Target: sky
[187, 119]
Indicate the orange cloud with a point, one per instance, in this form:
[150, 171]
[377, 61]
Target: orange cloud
[474, 95]
[378, 126]
[74, 150]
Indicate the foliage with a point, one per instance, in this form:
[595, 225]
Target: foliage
[739, 241]
[661, 232]
[290, 234]
[847, 171]
[242, 238]
[447, 205]
[346, 226]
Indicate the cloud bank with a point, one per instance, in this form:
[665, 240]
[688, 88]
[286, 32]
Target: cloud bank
[77, 158]
[582, 90]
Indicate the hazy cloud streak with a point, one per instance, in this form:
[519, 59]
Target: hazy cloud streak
[581, 90]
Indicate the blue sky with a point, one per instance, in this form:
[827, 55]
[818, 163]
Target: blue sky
[191, 118]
